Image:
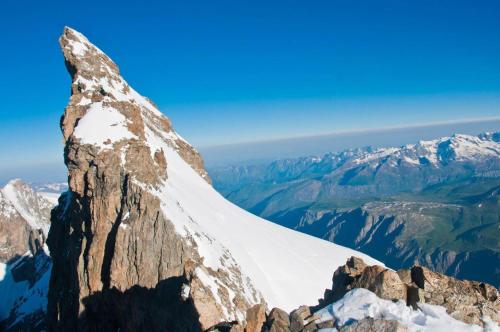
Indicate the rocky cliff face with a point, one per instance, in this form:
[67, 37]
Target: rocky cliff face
[141, 241]
[117, 257]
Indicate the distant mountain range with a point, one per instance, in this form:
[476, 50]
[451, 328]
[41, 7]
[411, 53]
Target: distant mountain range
[435, 203]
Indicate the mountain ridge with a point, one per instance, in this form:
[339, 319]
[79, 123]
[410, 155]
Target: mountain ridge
[141, 214]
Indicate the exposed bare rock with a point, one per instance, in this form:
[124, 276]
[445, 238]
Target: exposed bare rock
[119, 263]
[343, 280]
[379, 325]
[14, 232]
[405, 276]
[278, 321]
[468, 301]
[465, 300]
[303, 320]
[97, 81]
[200, 284]
[298, 318]
[256, 317]
[383, 282]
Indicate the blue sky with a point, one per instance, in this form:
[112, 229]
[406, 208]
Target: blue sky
[236, 71]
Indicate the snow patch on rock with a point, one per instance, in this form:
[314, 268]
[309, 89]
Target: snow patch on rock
[102, 126]
[361, 303]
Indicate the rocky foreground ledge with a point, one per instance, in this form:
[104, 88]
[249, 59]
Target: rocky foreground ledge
[471, 302]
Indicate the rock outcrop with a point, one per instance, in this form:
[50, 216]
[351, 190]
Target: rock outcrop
[141, 240]
[278, 321]
[468, 301]
[119, 262]
[465, 300]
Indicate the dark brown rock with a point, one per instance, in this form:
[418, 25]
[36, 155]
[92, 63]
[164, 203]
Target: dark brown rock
[326, 324]
[343, 279]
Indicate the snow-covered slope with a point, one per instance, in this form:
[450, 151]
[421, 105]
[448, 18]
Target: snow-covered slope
[24, 262]
[287, 267]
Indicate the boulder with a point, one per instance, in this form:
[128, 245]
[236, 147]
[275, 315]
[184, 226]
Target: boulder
[298, 318]
[256, 317]
[342, 281]
[383, 282]
[278, 321]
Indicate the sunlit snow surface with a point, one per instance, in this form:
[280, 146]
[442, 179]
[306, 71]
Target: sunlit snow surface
[289, 268]
[28, 204]
[102, 126]
[51, 197]
[361, 303]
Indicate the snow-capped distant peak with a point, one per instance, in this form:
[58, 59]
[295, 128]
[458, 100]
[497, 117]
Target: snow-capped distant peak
[33, 207]
[458, 147]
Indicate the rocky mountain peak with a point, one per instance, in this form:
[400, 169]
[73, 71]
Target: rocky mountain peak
[106, 114]
[115, 251]
[141, 240]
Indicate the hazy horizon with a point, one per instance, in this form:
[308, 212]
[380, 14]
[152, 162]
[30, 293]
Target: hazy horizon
[233, 72]
[267, 150]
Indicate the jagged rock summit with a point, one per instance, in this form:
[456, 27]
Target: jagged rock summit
[141, 240]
